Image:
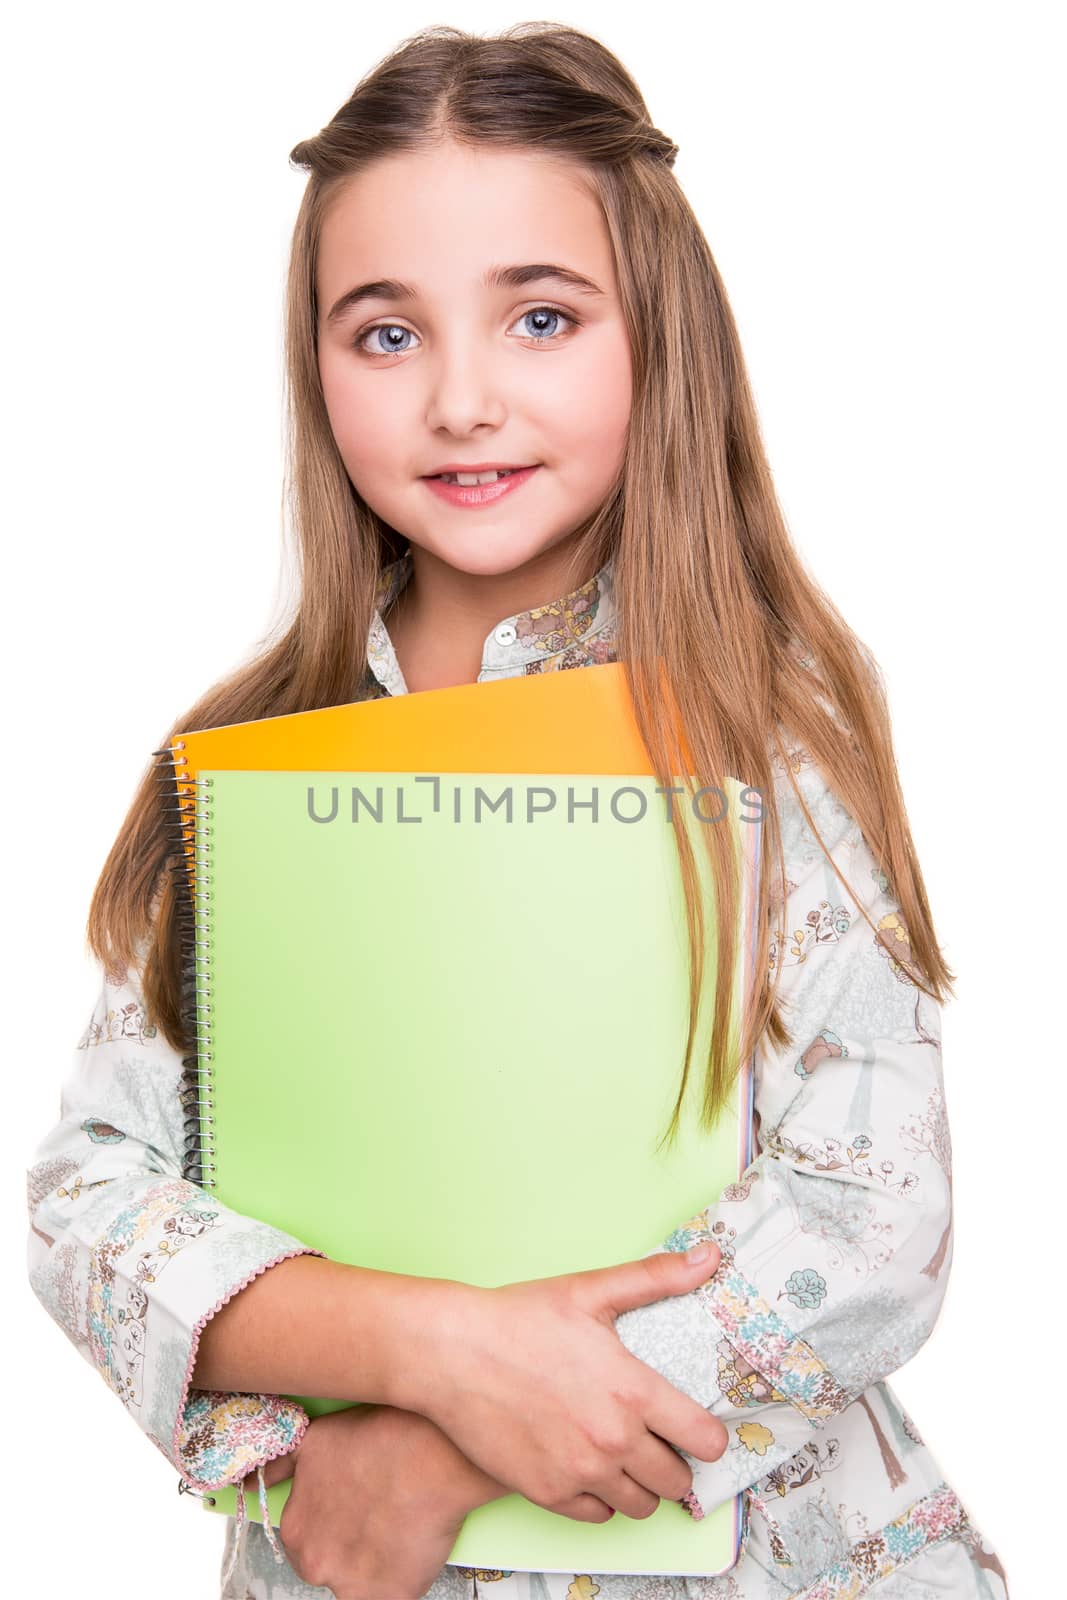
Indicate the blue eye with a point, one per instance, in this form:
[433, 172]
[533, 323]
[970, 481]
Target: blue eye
[390, 328]
[395, 332]
[542, 311]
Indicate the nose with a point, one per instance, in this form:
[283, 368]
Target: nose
[465, 390]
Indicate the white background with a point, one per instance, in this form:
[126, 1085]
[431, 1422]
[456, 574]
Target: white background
[877, 183]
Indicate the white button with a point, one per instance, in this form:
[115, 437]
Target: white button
[505, 634]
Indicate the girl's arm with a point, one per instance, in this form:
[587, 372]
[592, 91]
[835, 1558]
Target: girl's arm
[132, 1260]
[380, 1324]
[837, 1241]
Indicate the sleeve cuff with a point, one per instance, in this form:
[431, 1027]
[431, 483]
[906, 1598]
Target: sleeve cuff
[768, 1349]
[220, 1437]
[724, 1346]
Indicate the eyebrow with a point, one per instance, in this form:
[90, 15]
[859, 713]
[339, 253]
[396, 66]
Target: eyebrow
[496, 278]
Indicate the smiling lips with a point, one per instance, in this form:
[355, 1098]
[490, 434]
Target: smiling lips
[454, 469]
[474, 488]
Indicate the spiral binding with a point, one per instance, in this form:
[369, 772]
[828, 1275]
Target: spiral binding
[187, 1488]
[187, 813]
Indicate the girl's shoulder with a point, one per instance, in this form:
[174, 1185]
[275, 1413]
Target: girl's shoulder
[798, 777]
[804, 795]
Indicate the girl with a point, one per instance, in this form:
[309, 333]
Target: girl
[494, 268]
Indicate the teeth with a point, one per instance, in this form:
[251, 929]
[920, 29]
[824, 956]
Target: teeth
[475, 477]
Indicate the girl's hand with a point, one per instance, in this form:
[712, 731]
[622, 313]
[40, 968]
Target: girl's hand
[377, 1502]
[378, 1498]
[534, 1385]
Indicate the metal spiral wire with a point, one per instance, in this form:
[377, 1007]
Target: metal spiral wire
[187, 812]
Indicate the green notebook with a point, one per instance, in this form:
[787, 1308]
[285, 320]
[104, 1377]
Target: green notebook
[449, 1046]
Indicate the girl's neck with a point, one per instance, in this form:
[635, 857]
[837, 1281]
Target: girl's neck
[440, 620]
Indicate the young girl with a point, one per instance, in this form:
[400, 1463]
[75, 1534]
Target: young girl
[494, 268]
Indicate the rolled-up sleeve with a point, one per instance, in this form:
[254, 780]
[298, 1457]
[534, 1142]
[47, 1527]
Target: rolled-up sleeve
[837, 1240]
[132, 1260]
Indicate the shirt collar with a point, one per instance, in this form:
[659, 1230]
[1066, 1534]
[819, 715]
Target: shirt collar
[577, 630]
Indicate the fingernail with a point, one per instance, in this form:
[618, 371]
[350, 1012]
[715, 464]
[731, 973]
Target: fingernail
[699, 1252]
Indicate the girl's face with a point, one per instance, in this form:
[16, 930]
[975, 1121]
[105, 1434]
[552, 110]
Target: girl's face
[441, 365]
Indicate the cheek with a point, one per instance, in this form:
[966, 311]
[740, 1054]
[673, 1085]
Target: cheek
[360, 421]
[597, 415]
[341, 398]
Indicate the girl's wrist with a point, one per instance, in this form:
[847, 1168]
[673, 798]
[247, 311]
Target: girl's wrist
[442, 1477]
[468, 1486]
[435, 1335]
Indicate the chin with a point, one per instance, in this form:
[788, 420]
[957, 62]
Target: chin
[486, 554]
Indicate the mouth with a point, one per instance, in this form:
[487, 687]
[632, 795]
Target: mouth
[471, 489]
[490, 475]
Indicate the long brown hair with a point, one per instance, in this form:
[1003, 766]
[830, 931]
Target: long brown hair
[732, 651]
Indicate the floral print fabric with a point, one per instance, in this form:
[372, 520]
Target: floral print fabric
[836, 1241]
[131, 1260]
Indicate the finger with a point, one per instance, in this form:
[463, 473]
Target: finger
[681, 1421]
[629, 1497]
[659, 1468]
[613, 1290]
[584, 1508]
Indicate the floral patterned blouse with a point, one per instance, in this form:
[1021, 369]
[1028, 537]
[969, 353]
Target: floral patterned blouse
[836, 1243]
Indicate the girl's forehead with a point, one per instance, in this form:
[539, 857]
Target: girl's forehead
[469, 168]
[451, 216]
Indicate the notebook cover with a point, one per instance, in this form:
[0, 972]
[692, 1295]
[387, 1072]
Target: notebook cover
[514, 1158]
